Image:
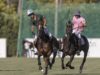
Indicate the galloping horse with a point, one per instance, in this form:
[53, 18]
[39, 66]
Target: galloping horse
[45, 47]
[70, 47]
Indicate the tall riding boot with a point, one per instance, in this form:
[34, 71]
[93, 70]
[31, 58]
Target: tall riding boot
[79, 45]
[50, 36]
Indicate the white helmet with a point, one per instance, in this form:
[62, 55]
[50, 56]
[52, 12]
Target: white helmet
[29, 12]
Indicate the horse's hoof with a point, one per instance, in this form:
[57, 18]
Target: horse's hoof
[67, 65]
[45, 74]
[80, 71]
[63, 68]
[40, 68]
[50, 66]
[71, 67]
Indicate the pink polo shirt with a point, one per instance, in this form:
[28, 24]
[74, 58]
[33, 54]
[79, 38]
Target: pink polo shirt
[78, 22]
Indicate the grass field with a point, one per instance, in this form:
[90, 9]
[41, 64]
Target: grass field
[28, 66]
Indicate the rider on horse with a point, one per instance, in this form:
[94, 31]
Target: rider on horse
[78, 26]
[38, 21]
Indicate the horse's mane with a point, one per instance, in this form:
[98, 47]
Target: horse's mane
[43, 35]
[74, 39]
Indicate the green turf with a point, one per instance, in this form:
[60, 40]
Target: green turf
[28, 66]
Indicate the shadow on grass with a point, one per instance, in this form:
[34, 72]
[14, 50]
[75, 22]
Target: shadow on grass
[80, 74]
[11, 70]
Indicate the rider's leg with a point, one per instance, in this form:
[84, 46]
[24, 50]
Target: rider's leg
[35, 45]
[78, 34]
[50, 35]
[32, 29]
[47, 32]
[35, 38]
[79, 43]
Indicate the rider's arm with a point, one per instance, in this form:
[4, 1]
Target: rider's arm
[73, 20]
[84, 22]
[32, 25]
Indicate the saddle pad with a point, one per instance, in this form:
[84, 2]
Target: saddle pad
[82, 41]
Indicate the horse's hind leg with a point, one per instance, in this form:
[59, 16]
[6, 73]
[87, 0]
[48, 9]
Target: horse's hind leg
[69, 62]
[39, 62]
[84, 59]
[62, 60]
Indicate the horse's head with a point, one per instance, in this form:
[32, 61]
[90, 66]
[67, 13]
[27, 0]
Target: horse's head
[69, 28]
[70, 36]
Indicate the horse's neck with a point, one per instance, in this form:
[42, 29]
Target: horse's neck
[45, 38]
[69, 36]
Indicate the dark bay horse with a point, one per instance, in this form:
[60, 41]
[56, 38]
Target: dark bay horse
[70, 46]
[46, 47]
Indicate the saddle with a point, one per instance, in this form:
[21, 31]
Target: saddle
[82, 41]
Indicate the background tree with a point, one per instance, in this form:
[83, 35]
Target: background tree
[9, 26]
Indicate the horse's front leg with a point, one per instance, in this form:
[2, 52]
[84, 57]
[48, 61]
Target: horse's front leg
[70, 61]
[54, 56]
[62, 60]
[84, 59]
[39, 62]
[46, 59]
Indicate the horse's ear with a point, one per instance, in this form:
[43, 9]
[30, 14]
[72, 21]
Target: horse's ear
[69, 22]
